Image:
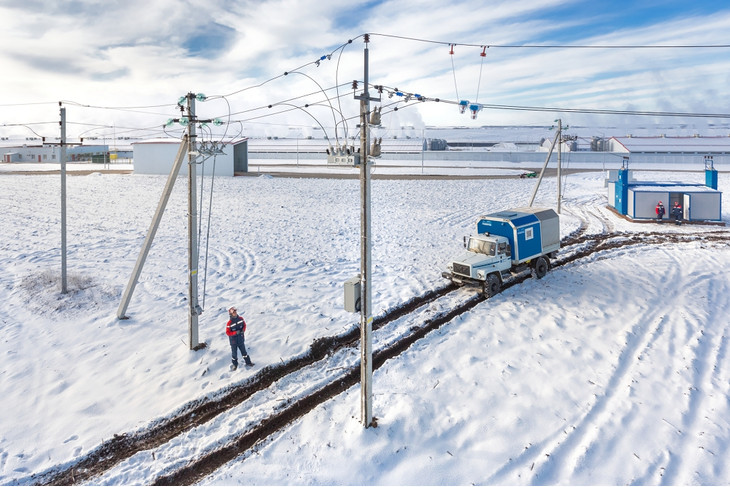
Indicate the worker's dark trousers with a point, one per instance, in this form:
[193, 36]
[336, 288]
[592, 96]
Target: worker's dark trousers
[238, 343]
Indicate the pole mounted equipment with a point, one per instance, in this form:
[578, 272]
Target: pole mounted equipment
[189, 148]
[366, 318]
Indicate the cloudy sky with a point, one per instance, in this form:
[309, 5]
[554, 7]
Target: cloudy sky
[121, 66]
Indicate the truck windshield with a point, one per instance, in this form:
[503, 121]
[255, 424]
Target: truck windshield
[481, 246]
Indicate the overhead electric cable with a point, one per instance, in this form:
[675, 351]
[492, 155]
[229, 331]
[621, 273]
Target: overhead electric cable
[28, 104]
[337, 86]
[563, 46]
[415, 97]
[315, 62]
[334, 117]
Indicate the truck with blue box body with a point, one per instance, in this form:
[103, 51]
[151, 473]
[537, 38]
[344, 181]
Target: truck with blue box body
[507, 243]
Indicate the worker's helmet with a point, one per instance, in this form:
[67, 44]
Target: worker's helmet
[660, 202]
[232, 308]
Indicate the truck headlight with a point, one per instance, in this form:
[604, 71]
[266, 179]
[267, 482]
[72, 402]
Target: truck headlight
[480, 274]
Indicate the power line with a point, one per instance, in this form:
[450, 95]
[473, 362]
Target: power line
[120, 108]
[597, 111]
[405, 97]
[560, 46]
[315, 62]
[415, 97]
[28, 104]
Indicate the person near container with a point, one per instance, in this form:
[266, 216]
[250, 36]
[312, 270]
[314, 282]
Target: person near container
[235, 329]
[659, 211]
[677, 213]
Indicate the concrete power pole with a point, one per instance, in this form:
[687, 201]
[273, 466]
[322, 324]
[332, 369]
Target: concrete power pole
[560, 153]
[187, 147]
[193, 256]
[366, 319]
[544, 166]
[64, 279]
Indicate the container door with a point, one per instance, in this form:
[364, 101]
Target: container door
[686, 209]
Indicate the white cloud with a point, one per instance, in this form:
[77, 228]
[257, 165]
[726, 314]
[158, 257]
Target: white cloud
[150, 53]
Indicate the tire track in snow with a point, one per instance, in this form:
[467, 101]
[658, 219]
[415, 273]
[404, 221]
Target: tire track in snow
[687, 345]
[591, 221]
[562, 458]
[460, 218]
[716, 444]
[709, 350]
[548, 457]
[232, 264]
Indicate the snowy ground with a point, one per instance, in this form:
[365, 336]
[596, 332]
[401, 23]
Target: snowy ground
[610, 370]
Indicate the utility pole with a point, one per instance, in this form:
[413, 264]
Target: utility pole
[544, 166]
[64, 280]
[560, 152]
[366, 319]
[193, 257]
[187, 147]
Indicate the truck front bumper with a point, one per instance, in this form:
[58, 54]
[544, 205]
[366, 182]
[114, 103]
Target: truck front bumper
[461, 280]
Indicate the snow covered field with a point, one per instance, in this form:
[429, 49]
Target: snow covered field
[612, 369]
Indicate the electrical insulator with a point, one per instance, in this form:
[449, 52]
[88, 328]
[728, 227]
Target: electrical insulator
[375, 116]
[463, 104]
[375, 147]
[475, 108]
[354, 84]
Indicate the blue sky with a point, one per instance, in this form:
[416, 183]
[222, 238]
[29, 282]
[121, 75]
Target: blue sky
[599, 18]
[101, 58]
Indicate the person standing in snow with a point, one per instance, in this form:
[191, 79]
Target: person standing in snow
[677, 213]
[659, 211]
[235, 328]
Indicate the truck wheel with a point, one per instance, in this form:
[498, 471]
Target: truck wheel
[492, 285]
[541, 267]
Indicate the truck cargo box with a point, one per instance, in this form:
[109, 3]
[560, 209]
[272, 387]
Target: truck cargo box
[531, 231]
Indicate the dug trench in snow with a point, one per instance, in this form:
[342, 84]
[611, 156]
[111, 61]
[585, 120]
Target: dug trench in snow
[124, 446]
[209, 463]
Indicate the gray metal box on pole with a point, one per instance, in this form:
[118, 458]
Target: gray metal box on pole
[352, 294]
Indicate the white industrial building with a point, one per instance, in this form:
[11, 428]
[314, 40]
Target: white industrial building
[52, 153]
[156, 156]
[673, 145]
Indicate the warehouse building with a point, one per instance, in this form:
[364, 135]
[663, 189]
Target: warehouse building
[52, 153]
[156, 156]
